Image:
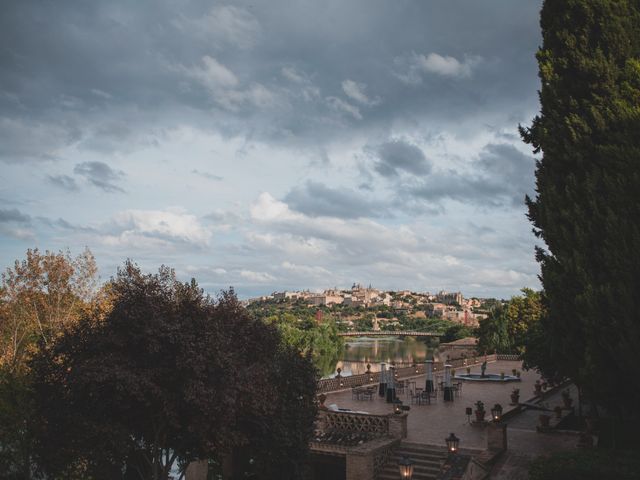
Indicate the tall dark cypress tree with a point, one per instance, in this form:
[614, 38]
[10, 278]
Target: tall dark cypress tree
[587, 208]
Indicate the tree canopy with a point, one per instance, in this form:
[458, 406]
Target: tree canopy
[506, 329]
[166, 377]
[586, 210]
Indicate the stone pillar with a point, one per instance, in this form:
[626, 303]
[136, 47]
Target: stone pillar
[359, 466]
[497, 436]
[197, 470]
[398, 425]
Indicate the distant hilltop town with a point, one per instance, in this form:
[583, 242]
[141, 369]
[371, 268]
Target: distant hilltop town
[450, 306]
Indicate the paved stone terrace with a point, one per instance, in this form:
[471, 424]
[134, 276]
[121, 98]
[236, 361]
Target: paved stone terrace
[430, 424]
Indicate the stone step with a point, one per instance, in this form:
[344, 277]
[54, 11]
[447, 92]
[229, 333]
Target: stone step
[426, 461]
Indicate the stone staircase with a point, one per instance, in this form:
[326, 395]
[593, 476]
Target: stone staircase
[426, 461]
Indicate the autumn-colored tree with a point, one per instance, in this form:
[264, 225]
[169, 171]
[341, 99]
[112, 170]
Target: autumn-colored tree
[166, 377]
[40, 297]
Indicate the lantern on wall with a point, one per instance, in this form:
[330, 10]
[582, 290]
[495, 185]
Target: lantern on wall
[496, 412]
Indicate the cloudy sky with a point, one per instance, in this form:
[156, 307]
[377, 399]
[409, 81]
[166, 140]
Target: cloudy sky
[273, 144]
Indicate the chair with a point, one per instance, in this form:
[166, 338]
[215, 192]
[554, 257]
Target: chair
[356, 393]
[368, 393]
[416, 398]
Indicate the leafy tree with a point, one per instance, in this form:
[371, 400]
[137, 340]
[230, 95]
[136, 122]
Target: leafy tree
[39, 297]
[587, 210]
[456, 332]
[166, 377]
[509, 326]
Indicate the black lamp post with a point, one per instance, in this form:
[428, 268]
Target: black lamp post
[452, 444]
[469, 412]
[496, 412]
[406, 468]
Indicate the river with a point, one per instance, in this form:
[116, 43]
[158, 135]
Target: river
[360, 351]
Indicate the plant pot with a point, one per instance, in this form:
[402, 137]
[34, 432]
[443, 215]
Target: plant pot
[515, 399]
[480, 415]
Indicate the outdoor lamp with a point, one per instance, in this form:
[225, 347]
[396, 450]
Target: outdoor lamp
[406, 468]
[339, 370]
[416, 368]
[452, 443]
[496, 412]
[397, 406]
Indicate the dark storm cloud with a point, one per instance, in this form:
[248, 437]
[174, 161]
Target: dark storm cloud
[278, 71]
[399, 156]
[501, 176]
[63, 181]
[100, 175]
[14, 216]
[316, 199]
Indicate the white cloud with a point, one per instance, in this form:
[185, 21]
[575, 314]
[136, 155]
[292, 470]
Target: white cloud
[258, 277]
[290, 73]
[414, 66]
[213, 74]
[344, 107]
[356, 91]
[156, 226]
[446, 65]
[224, 86]
[225, 25]
[267, 208]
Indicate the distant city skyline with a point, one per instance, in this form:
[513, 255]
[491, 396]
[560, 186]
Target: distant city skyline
[267, 145]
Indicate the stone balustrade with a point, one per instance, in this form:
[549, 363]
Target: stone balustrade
[341, 383]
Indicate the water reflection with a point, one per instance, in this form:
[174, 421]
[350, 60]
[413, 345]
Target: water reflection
[362, 350]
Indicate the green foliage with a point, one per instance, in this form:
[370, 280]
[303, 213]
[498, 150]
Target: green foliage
[586, 465]
[16, 428]
[587, 210]
[506, 329]
[170, 376]
[319, 340]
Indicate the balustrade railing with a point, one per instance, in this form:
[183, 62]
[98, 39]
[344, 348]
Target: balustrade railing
[351, 381]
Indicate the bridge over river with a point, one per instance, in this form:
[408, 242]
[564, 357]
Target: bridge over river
[400, 333]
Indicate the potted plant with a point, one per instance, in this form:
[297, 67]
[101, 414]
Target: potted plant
[468, 370]
[480, 411]
[515, 396]
[566, 398]
[558, 410]
[501, 375]
[544, 420]
[514, 372]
